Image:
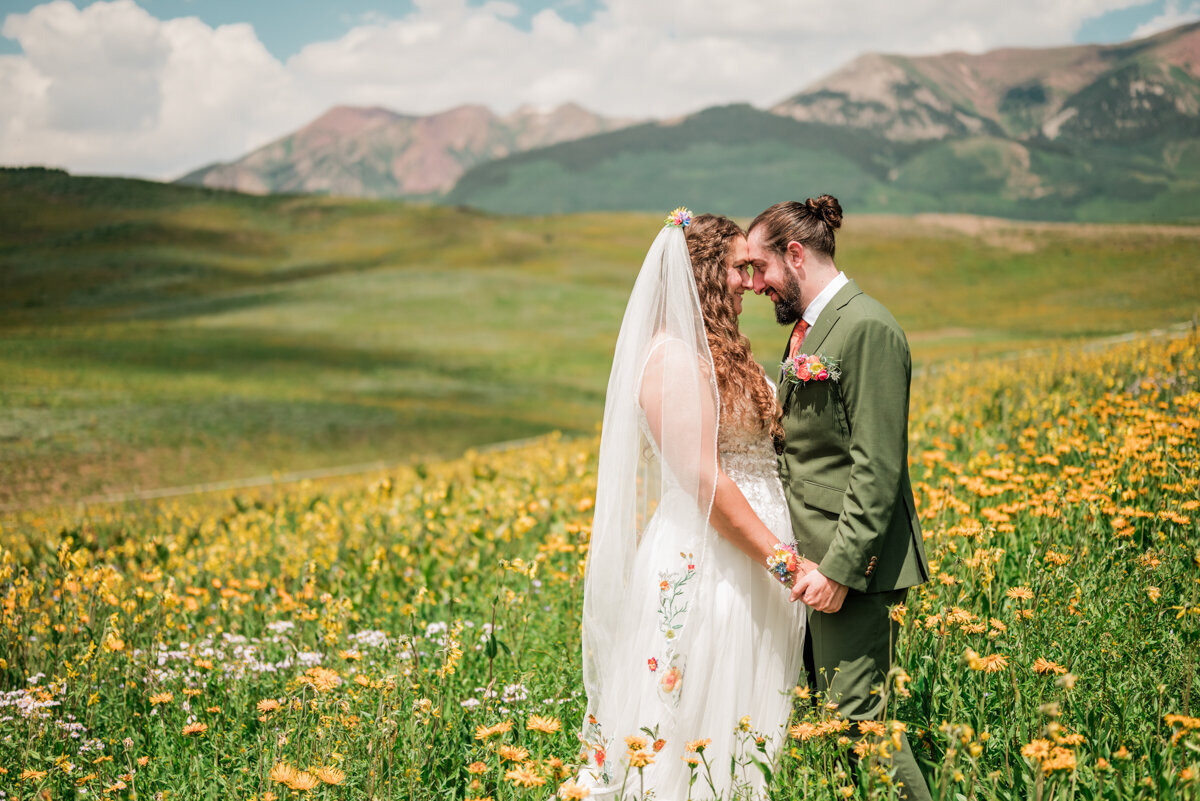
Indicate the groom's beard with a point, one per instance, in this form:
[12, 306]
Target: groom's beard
[787, 308]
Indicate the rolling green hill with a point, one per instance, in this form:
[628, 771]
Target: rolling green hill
[154, 335]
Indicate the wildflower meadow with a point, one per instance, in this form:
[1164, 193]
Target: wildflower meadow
[415, 635]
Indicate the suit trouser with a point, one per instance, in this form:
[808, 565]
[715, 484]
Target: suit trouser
[851, 652]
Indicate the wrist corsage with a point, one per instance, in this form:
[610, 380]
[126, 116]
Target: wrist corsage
[783, 563]
[803, 368]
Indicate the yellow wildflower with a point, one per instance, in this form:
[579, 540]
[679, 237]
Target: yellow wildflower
[1045, 667]
[512, 753]
[571, 790]
[282, 773]
[330, 775]
[1037, 750]
[484, 732]
[524, 776]
[546, 725]
[303, 781]
[321, 679]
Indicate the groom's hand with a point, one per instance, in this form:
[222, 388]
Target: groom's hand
[820, 592]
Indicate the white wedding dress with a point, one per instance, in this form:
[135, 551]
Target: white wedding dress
[685, 638]
[745, 656]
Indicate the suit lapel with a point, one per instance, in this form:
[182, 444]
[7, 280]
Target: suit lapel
[829, 318]
[787, 344]
[816, 336]
[784, 388]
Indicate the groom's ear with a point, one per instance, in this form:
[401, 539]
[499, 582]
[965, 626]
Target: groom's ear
[795, 255]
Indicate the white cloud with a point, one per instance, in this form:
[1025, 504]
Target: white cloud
[1173, 14]
[98, 67]
[112, 89]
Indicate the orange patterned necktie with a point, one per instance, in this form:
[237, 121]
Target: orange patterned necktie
[797, 337]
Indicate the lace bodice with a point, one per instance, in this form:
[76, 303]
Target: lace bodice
[746, 452]
[747, 456]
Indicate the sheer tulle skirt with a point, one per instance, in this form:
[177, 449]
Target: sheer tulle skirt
[743, 659]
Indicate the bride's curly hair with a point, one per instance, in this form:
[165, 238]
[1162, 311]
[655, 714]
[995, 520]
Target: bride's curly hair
[743, 387]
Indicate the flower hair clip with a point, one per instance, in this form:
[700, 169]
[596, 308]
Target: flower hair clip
[681, 217]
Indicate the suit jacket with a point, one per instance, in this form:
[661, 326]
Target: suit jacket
[845, 463]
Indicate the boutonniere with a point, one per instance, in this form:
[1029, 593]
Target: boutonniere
[803, 368]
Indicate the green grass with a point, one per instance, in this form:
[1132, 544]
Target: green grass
[1060, 506]
[154, 336]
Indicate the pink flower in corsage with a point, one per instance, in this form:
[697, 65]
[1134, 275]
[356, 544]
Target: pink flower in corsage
[681, 217]
[803, 368]
[670, 680]
[783, 563]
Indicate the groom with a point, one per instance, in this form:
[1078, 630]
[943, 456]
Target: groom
[845, 463]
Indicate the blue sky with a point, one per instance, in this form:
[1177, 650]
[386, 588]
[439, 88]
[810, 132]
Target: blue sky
[285, 26]
[159, 87]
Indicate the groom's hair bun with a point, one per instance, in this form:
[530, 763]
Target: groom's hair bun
[828, 209]
[810, 223]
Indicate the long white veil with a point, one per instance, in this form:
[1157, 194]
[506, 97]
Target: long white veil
[658, 446]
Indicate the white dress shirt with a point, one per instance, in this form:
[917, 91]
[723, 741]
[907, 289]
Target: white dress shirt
[813, 310]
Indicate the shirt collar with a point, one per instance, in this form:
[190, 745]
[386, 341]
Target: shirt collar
[813, 310]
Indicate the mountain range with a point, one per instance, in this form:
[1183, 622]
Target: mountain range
[1089, 132]
[374, 152]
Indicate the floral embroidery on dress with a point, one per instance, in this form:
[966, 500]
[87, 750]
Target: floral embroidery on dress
[595, 749]
[672, 610]
[672, 598]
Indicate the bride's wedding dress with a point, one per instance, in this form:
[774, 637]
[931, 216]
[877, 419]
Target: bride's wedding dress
[745, 654]
[686, 639]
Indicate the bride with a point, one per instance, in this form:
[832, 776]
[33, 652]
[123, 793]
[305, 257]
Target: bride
[690, 644]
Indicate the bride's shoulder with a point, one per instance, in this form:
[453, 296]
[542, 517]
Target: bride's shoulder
[670, 349]
[664, 340]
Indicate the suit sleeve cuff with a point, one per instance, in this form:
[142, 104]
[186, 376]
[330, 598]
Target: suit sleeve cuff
[835, 567]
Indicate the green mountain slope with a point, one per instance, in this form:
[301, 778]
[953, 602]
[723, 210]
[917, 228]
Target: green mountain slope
[732, 159]
[738, 161]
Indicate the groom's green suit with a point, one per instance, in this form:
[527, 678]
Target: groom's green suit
[845, 473]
